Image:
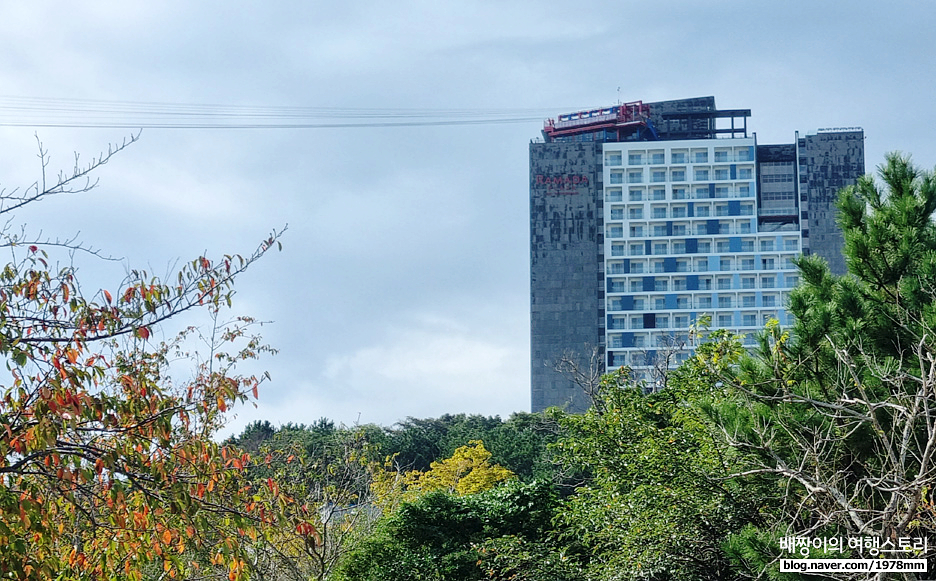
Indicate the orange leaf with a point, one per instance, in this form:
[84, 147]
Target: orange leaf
[167, 536]
[107, 296]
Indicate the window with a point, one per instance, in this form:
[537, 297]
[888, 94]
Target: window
[615, 231]
[792, 280]
[766, 245]
[682, 302]
[634, 159]
[678, 175]
[617, 177]
[744, 191]
[767, 282]
[680, 230]
[679, 247]
[637, 266]
[747, 264]
[702, 193]
[721, 246]
[767, 263]
[749, 320]
[613, 158]
[657, 265]
[721, 156]
[747, 209]
[638, 306]
[790, 244]
[704, 246]
[636, 322]
[747, 246]
[636, 231]
[635, 213]
[700, 156]
[617, 213]
[678, 211]
[681, 320]
[744, 228]
[724, 302]
[724, 320]
[788, 262]
[617, 250]
[639, 341]
[747, 301]
[636, 285]
[660, 248]
[678, 157]
[704, 302]
[656, 158]
[659, 303]
[636, 249]
[705, 283]
[679, 193]
[721, 210]
[721, 191]
[634, 177]
[769, 300]
[702, 211]
[679, 283]
[635, 195]
[724, 283]
[701, 174]
[747, 281]
[701, 266]
[721, 174]
[725, 264]
[615, 268]
[662, 321]
[659, 230]
[744, 173]
[659, 211]
[658, 176]
[658, 193]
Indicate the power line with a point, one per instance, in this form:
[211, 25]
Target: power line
[89, 113]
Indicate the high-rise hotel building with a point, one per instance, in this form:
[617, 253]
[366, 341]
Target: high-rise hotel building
[646, 216]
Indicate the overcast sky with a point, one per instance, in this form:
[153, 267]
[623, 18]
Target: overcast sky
[403, 286]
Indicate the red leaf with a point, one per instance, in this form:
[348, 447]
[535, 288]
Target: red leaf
[144, 333]
[107, 296]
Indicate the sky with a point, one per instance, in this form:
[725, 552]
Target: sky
[402, 289]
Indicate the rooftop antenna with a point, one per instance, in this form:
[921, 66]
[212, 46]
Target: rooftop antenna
[619, 95]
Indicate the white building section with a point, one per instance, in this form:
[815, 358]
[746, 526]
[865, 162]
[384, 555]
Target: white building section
[681, 240]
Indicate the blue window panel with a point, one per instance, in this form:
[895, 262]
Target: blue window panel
[647, 249]
[649, 320]
[692, 245]
[734, 171]
[609, 321]
[711, 190]
[734, 244]
[734, 207]
[670, 301]
[692, 282]
[751, 153]
[711, 228]
[627, 339]
[627, 266]
[649, 283]
[669, 264]
[669, 228]
[691, 209]
[651, 355]
[627, 303]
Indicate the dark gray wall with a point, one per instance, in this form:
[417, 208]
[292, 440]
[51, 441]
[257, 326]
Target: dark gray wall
[566, 266]
[828, 162]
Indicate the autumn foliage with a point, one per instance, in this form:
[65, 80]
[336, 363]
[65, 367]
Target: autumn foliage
[107, 466]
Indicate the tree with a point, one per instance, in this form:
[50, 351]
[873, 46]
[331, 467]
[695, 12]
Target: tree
[107, 467]
[840, 411]
[656, 503]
